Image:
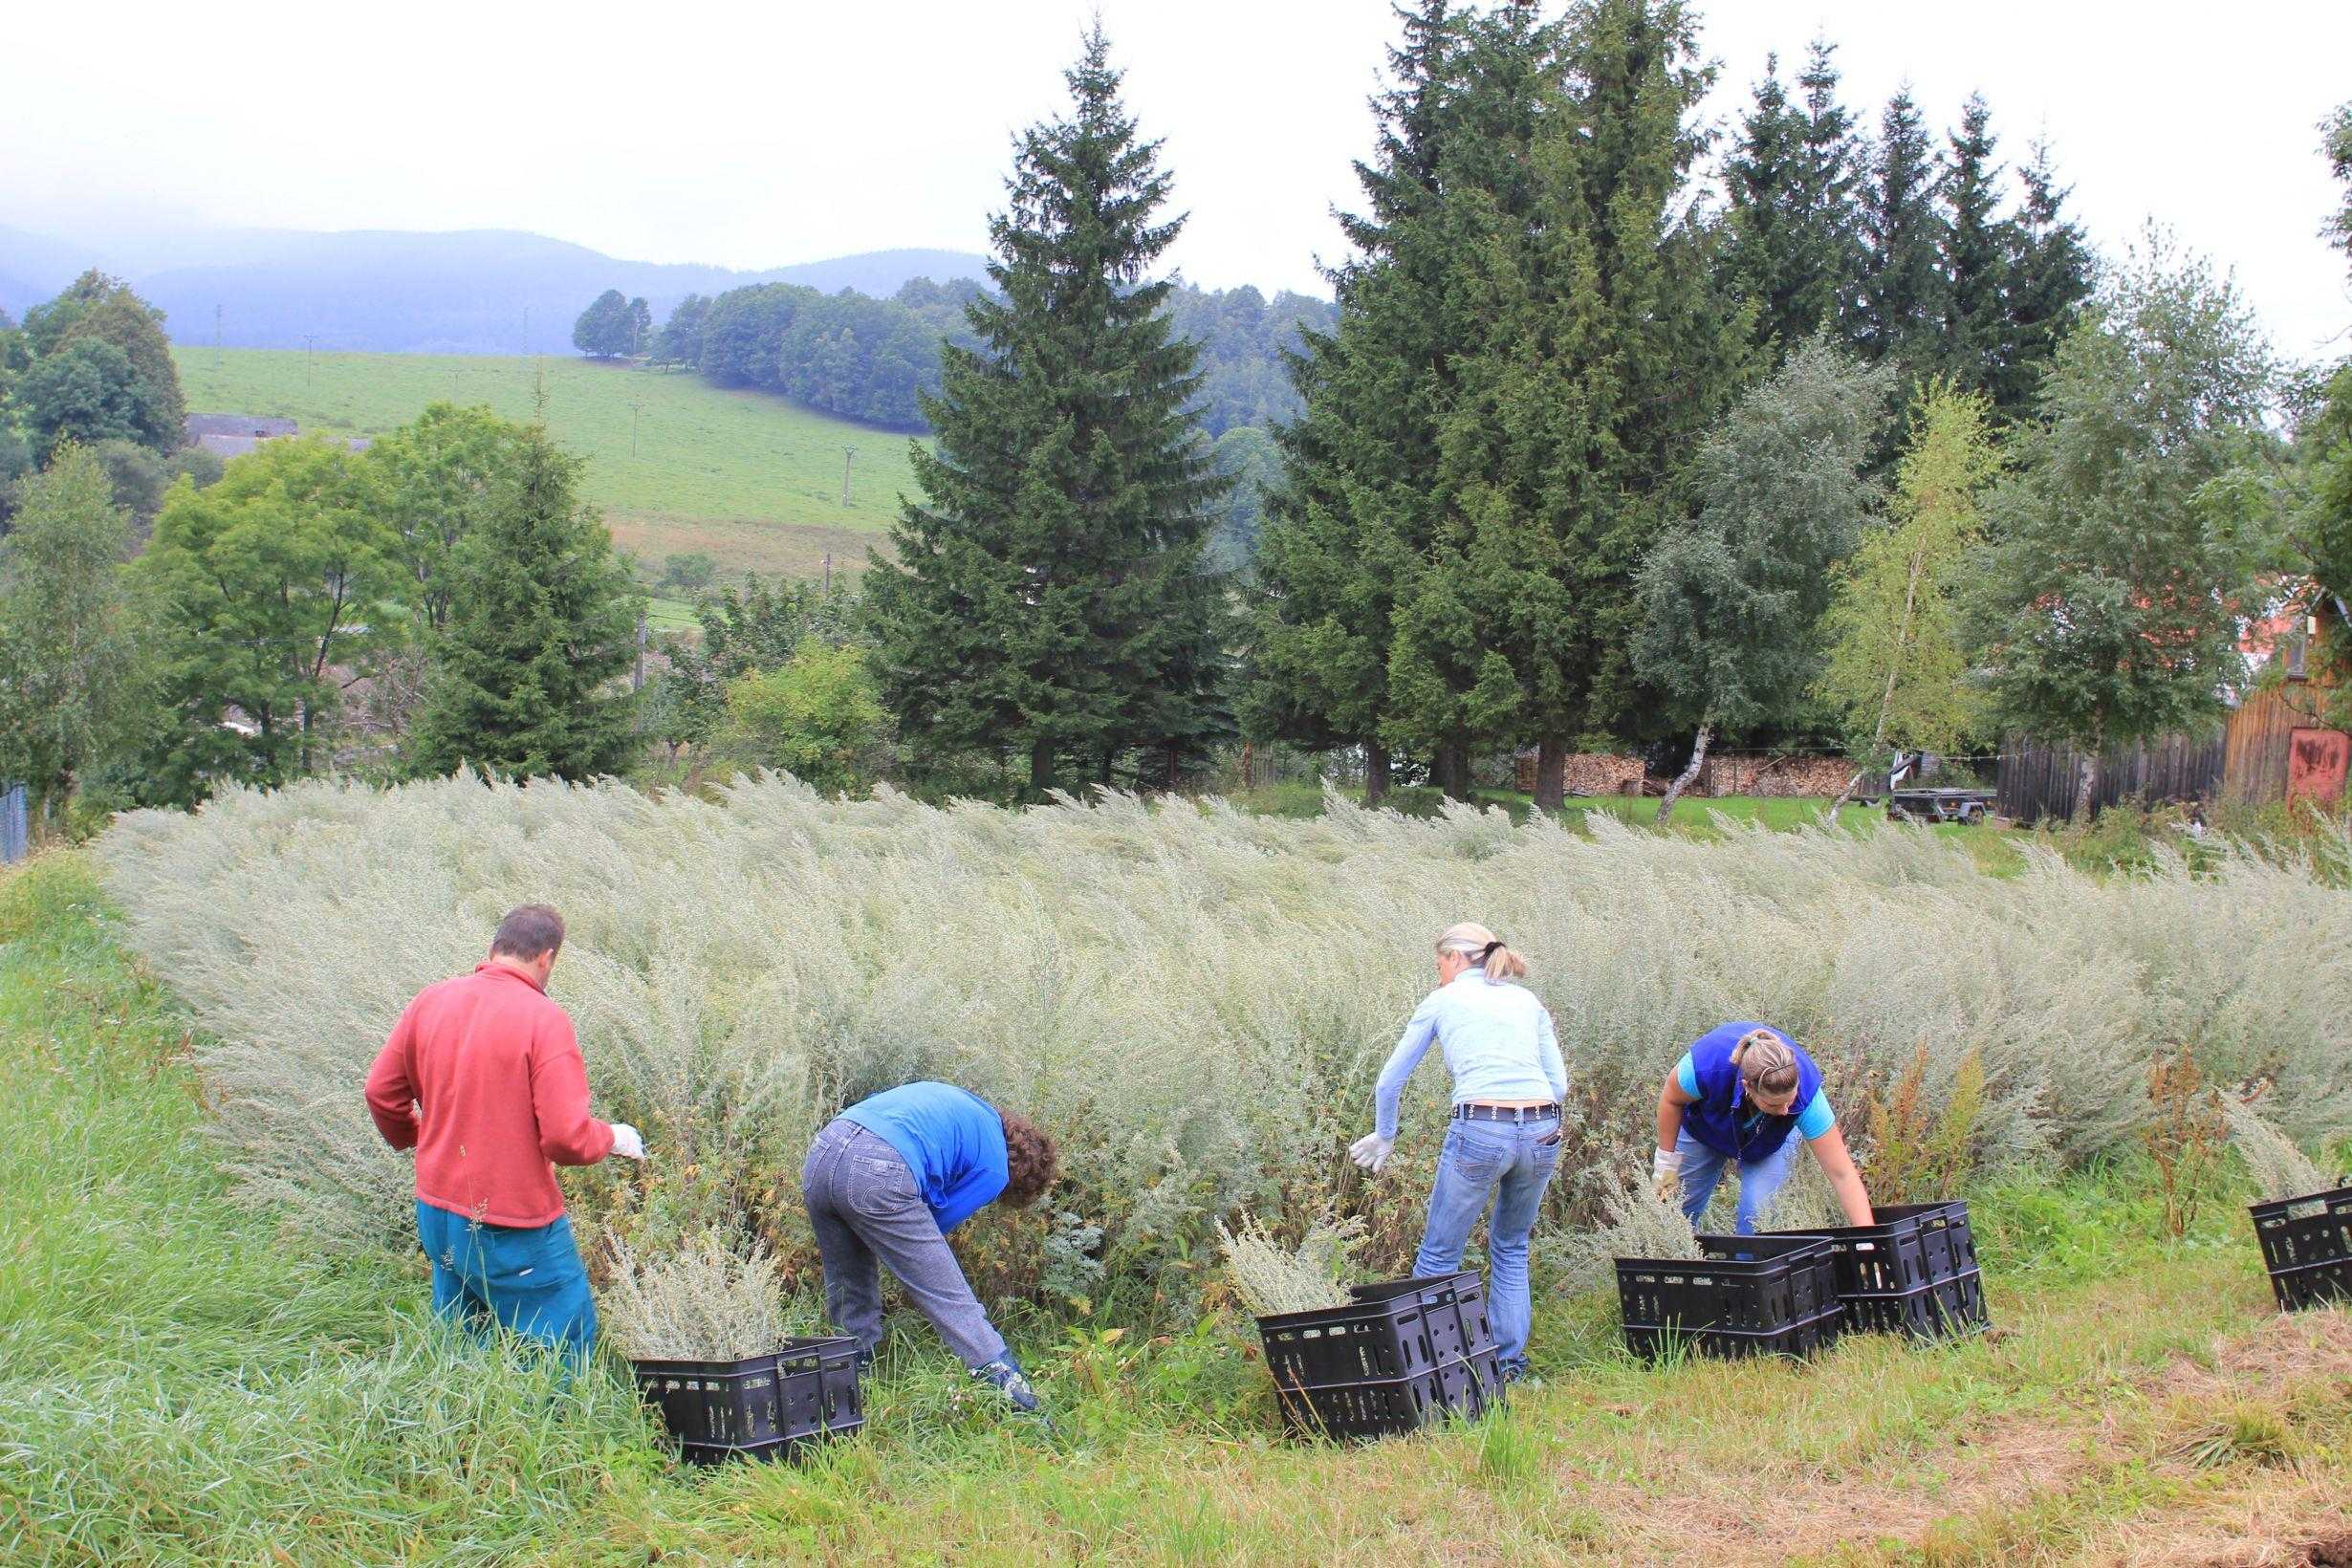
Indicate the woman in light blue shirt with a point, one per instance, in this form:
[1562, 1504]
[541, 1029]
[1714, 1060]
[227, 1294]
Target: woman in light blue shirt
[1504, 1142]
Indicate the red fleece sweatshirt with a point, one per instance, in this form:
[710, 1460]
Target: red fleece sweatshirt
[482, 1077]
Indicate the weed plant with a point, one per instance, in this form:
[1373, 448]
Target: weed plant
[1193, 999]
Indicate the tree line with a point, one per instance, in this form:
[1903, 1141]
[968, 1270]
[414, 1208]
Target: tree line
[1586, 458]
[872, 360]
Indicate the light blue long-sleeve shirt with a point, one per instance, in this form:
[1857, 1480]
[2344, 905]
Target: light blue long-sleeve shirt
[1498, 1044]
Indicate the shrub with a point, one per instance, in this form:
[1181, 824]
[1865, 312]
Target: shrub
[2279, 1170]
[818, 717]
[702, 1300]
[1192, 1000]
[1269, 1277]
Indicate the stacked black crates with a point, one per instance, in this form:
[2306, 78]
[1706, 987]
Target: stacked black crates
[1401, 1355]
[760, 1407]
[1914, 1272]
[2307, 1248]
[1751, 1295]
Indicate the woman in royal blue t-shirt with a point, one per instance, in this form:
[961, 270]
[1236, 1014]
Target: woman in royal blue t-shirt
[1735, 1097]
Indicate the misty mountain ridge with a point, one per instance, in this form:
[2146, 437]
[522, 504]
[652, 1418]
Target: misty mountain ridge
[390, 291]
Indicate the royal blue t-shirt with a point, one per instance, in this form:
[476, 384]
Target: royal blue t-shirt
[952, 1138]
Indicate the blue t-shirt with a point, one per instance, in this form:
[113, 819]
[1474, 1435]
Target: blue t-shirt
[952, 1138]
[1812, 1121]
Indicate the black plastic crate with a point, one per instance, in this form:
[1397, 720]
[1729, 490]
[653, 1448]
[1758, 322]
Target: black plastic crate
[1403, 1353]
[1396, 1329]
[761, 1407]
[1464, 1294]
[1387, 1407]
[2307, 1246]
[1912, 1272]
[1750, 1295]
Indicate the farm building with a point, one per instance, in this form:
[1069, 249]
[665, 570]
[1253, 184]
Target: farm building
[234, 435]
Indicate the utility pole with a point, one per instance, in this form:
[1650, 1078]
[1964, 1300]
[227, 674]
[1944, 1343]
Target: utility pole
[849, 455]
[634, 405]
[828, 573]
[636, 679]
[308, 339]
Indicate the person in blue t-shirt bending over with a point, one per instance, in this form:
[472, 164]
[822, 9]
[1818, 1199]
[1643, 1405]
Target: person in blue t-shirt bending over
[1737, 1095]
[887, 1180]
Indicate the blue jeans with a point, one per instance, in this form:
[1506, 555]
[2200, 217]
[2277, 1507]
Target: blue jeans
[1759, 1179]
[527, 1278]
[1506, 1164]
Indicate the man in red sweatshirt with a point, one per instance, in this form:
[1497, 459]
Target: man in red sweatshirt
[482, 1077]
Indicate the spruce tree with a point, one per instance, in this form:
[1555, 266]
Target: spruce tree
[1790, 244]
[1763, 258]
[1828, 182]
[1354, 511]
[1048, 599]
[2049, 278]
[1976, 247]
[523, 679]
[1635, 356]
[1900, 302]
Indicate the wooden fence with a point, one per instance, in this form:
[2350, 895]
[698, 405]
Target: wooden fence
[2249, 761]
[2037, 781]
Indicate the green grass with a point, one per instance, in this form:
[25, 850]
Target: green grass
[181, 1382]
[752, 480]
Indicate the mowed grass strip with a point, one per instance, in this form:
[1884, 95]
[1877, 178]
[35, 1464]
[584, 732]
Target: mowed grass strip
[182, 1381]
[751, 479]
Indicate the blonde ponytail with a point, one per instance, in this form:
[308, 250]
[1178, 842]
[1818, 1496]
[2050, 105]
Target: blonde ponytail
[1483, 947]
[1765, 1061]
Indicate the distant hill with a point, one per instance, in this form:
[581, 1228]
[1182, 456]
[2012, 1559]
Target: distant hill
[469, 292]
[679, 465]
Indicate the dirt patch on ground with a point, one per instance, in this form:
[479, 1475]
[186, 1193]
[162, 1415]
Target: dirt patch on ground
[1684, 1511]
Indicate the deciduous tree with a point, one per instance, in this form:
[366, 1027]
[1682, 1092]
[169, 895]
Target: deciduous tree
[76, 680]
[1898, 665]
[2119, 559]
[1731, 599]
[276, 587]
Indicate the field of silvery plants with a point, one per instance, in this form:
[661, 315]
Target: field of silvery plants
[1195, 1000]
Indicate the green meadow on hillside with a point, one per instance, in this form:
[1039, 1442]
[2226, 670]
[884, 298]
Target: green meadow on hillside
[746, 478]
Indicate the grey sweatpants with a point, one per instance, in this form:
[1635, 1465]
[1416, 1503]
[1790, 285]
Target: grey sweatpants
[864, 1203]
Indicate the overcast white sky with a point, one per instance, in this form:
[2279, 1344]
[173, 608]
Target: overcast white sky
[759, 134]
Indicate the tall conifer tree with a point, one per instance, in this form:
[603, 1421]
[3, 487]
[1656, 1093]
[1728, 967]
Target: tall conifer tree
[2049, 276]
[1975, 246]
[1354, 511]
[1792, 245]
[524, 676]
[1899, 306]
[1047, 599]
[1606, 347]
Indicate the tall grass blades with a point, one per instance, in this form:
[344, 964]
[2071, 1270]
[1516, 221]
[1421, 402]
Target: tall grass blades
[1194, 1000]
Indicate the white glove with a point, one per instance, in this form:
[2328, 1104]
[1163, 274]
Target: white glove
[626, 1142]
[1371, 1151]
[1666, 1171]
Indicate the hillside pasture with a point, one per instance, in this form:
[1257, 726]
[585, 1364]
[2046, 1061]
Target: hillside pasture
[746, 478]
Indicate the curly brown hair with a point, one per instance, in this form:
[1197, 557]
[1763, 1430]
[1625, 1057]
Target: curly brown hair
[1030, 1158]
